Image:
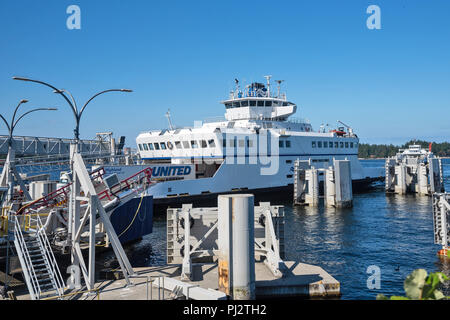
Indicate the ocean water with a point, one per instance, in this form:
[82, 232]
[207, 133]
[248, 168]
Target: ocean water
[394, 233]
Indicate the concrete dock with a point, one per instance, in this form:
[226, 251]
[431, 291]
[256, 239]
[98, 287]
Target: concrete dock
[301, 280]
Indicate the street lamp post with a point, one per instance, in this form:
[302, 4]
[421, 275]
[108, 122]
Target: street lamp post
[75, 190]
[6, 178]
[72, 103]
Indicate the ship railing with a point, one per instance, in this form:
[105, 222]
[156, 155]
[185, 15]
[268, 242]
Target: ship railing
[214, 119]
[298, 120]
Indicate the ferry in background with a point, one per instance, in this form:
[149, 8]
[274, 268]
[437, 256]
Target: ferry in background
[252, 149]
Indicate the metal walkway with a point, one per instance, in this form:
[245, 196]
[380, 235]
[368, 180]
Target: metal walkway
[36, 257]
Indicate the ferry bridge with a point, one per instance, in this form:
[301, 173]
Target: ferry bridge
[26, 146]
[45, 154]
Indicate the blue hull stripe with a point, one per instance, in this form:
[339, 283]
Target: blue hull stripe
[246, 156]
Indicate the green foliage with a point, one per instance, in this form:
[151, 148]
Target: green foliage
[384, 151]
[421, 286]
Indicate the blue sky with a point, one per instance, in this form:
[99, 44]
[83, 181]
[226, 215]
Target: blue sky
[390, 85]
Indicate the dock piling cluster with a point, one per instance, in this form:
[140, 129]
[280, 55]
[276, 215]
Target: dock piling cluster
[334, 183]
[414, 170]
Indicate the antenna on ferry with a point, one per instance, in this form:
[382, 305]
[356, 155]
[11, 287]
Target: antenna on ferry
[268, 84]
[236, 81]
[279, 86]
[168, 119]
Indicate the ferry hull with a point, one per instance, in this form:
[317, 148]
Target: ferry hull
[271, 194]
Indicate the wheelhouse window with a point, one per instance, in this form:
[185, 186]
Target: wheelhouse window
[156, 144]
[194, 144]
[236, 104]
[145, 147]
[331, 144]
[178, 144]
[252, 103]
[341, 145]
[268, 103]
[150, 146]
[281, 144]
[325, 144]
[163, 146]
[140, 147]
[186, 144]
[211, 143]
[288, 143]
[203, 144]
[260, 103]
[346, 144]
[336, 144]
[244, 103]
[319, 144]
[313, 144]
[351, 145]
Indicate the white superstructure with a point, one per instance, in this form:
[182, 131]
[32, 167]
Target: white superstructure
[252, 148]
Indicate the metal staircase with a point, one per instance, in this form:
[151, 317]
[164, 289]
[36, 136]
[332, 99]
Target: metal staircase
[36, 257]
[441, 210]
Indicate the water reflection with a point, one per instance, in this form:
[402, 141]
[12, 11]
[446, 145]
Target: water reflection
[394, 233]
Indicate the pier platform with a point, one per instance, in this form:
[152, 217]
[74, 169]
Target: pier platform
[300, 280]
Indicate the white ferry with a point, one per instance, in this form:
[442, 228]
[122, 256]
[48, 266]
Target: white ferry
[252, 149]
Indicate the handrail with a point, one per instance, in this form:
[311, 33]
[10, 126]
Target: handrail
[75, 293]
[26, 256]
[106, 193]
[48, 251]
[45, 200]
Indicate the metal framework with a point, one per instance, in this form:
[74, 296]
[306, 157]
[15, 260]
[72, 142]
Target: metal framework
[82, 183]
[196, 240]
[46, 146]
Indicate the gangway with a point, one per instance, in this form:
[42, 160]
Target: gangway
[60, 196]
[142, 177]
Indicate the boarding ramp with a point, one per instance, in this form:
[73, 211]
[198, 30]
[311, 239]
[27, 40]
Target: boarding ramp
[106, 189]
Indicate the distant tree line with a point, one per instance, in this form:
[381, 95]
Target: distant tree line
[384, 150]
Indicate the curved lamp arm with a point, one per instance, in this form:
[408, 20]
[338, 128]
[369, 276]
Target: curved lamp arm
[75, 111]
[96, 95]
[28, 112]
[71, 97]
[7, 124]
[17, 108]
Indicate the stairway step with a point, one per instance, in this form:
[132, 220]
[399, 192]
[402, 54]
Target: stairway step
[45, 286]
[43, 275]
[45, 282]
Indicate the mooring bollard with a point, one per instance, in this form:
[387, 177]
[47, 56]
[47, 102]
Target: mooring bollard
[236, 246]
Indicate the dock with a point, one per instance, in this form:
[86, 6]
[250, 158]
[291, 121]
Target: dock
[302, 280]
